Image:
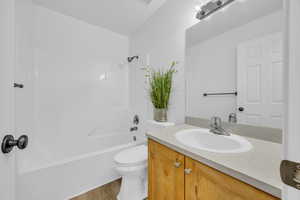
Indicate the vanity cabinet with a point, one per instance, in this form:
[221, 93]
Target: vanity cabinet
[166, 173]
[206, 183]
[173, 176]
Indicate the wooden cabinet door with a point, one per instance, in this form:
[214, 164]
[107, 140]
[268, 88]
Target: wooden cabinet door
[166, 173]
[205, 183]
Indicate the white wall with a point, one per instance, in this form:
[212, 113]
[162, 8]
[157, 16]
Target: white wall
[162, 39]
[292, 92]
[211, 67]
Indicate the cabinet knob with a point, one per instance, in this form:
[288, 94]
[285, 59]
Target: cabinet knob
[177, 164]
[187, 171]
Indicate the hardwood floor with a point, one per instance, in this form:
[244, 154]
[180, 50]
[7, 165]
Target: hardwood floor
[106, 192]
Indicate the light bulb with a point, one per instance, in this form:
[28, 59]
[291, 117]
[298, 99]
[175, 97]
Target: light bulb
[197, 8]
[102, 77]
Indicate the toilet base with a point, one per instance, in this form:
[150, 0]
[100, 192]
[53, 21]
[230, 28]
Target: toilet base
[134, 184]
[144, 198]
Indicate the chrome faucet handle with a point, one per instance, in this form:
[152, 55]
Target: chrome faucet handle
[215, 122]
[232, 118]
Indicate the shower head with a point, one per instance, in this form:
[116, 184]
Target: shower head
[130, 59]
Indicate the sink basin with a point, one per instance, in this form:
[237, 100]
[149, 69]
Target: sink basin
[202, 139]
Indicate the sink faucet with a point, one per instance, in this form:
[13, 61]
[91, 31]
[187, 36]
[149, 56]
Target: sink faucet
[216, 127]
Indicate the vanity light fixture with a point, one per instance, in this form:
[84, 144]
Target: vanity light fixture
[212, 7]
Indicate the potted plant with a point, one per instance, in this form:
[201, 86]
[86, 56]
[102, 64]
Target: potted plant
[160, 88]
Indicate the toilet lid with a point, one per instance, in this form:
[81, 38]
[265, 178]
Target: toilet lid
[131, 156]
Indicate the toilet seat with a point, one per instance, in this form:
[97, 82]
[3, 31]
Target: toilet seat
[132, 157]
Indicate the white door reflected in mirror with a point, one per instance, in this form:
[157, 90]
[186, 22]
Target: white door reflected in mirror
[259, 82]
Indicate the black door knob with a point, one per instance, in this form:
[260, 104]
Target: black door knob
[241, 109]
[9, 142]
[22, 142]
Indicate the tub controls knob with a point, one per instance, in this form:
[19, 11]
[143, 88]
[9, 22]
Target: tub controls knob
[136, 120]
[9, 142]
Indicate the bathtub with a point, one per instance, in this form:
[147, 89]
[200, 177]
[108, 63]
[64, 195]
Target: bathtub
[73, 174]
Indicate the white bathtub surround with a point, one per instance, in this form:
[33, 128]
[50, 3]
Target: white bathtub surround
[132, 166]
[79, 85]
[77, 101]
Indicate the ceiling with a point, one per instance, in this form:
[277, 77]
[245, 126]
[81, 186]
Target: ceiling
[234, 15]
[121, 16]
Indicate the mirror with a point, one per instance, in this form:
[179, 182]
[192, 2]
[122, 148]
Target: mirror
[234, 64]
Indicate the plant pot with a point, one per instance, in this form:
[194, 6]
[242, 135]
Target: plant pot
[160, 115]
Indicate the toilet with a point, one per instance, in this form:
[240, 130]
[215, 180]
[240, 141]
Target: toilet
[132, 166]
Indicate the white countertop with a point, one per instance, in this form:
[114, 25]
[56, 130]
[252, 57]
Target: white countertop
[258, 167]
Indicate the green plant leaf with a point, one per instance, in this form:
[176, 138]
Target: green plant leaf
[161, 86]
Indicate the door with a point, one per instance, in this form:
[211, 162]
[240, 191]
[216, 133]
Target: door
[166, 173]
[292, 90]
[205, 183]
[6, 95]
[260, 82]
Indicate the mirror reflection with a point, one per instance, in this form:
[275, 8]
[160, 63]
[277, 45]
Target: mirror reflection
[234, 65]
